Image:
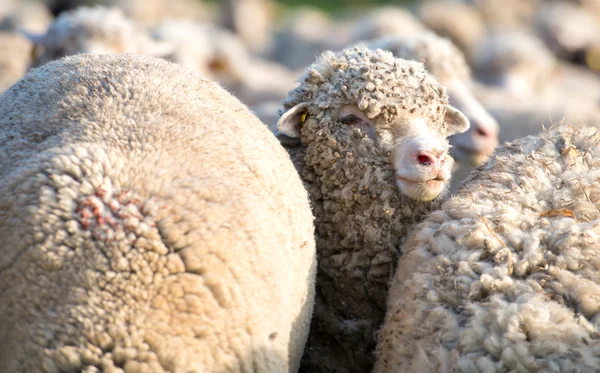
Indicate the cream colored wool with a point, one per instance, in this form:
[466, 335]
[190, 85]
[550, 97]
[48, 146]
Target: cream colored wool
[516, 55]
[385, 21]
[504, 277]
[568, 29]
[439, 55]
[361, 217]
[14, 58]
[459, 22]
[99, 30]
[139, 233]
[220, 55]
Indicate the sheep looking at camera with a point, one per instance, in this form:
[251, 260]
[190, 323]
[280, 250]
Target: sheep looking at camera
[367, 133]
[504, 277]
[447, 63]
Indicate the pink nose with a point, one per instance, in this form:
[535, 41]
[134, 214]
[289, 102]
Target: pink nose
[427, 159]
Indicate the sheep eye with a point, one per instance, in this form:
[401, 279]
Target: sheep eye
[351, 119]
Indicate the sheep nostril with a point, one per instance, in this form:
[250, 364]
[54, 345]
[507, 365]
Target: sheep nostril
[481, 132]
[425, 159]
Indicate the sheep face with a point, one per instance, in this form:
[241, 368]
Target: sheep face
[481, 139]
[445, 61]
[400, 126]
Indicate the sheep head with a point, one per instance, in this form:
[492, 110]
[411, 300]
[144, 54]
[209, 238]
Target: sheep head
[370, 108]
[447, 63]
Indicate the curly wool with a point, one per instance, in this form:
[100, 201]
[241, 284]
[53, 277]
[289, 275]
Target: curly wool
[14, 59]
[361, 217]
[441, 57]
[377, 82]
[504, 277]
[139, 235]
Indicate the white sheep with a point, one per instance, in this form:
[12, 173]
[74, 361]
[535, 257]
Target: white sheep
[367, 133]
[385, 21]
[504, 277]
[99, 30]
[148, 223]
[220, 55]
[303, 33]
[28, 16]
[14, 59]
[517, 61]
[568, 30]
[251, 20]
[460, 22]
[447, 63]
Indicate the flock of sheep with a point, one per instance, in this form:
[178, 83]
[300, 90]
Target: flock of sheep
[387, 200]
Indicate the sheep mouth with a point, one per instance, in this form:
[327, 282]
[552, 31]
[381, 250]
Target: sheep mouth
[435, 180]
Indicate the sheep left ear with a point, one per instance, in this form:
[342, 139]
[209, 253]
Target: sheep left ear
[456, 122]
[290, 122]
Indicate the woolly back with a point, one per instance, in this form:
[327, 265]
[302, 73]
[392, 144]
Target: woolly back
[149, 220]
[505, 274]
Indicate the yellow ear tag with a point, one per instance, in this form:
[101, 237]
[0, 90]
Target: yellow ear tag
[303, 118]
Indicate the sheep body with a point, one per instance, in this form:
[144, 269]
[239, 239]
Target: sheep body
[350, 172]
[137, 234]
[95, 29]
[15, 58]
[504, 276]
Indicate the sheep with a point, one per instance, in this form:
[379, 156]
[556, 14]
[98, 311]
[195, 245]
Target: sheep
[516, 61]
[14, 59]
[139, 235]
[27, 16]
[507, 14]
[147, 13]
[504, 276]
[446, 62]
[385, 21]
[568, 30]
[257, 33]
[461, 23]
[300, 36]
[220, 55]
[367, 134]
[94, 30]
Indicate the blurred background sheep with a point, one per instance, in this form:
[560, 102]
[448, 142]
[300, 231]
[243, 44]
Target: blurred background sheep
[533, 63]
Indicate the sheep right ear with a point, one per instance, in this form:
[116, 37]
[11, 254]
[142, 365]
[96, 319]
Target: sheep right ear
[290, 122]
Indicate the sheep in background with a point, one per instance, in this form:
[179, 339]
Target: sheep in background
[139, 235]
[14, 59]
[459, 22]
[444, 61]
[504, 277]
[252, 21]
[220, 55]
[385, 21]
[97, 30]
[507, 14]
[517, 62]
[147, 13]
[31, 17]
[568, 30]
[304, 33]
[367, 133]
